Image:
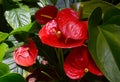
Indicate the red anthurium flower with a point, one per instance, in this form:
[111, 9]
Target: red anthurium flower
[67, 34]
[70, 25]
[78, 62]
[46, 14]
[26, 54]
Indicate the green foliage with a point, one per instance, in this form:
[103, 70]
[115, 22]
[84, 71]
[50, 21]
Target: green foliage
[3, 36]
[4, 69]
[112, 16]
[118, 5]
[3, 49]
[104, 43]
[89, 6]
[18, 17]
[12, 77]
[25, 28]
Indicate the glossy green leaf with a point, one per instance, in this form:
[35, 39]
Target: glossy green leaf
[25, 28]
[107, 48]
[18, 17]
[3, 36]
[4, 69]
[113, 20]
[89, 6]
[3, 48]
[12, 77]
[93, 33]
[110, 13]
[104, 45]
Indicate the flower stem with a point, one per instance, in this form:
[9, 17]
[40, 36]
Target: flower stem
[65, 3]
[47, 75]
[60, 57]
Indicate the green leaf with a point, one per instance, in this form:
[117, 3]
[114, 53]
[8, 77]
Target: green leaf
[43, 3]
[118, 5]
[95, 17]
[89, 6]
[12, 77]
[104, 45]
[33, 10]
[25, 28]
[110, 13]
[3, 36]
[113, 20]
[3, 48]
[93, 22]
[0, 1]
[18, 17]
[107, 48]
[4, 69]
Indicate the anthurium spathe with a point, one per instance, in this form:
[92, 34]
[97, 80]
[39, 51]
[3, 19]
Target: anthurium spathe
[65, 31]
[26, 55]
[79, 62]
[45, 14]
[70, 25]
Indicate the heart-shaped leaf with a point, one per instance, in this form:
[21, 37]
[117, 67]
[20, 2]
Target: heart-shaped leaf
[104, 45]
[18, 17]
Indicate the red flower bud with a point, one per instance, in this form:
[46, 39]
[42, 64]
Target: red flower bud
[78, 62]
[26, 54]
[46, 14]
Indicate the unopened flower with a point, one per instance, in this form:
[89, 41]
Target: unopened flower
[79, 62]
[65, 31]
[46, 14]
[26, 55]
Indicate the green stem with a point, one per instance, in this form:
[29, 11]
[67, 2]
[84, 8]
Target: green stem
[60, 57]
[65, 3]
[19, 4]
[47, 75]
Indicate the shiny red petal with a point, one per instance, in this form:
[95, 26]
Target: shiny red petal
[49, 37]
[46, 14]
[26, 54]
[69, 24]
[76, 62]
[93, 67]
[72, 72]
